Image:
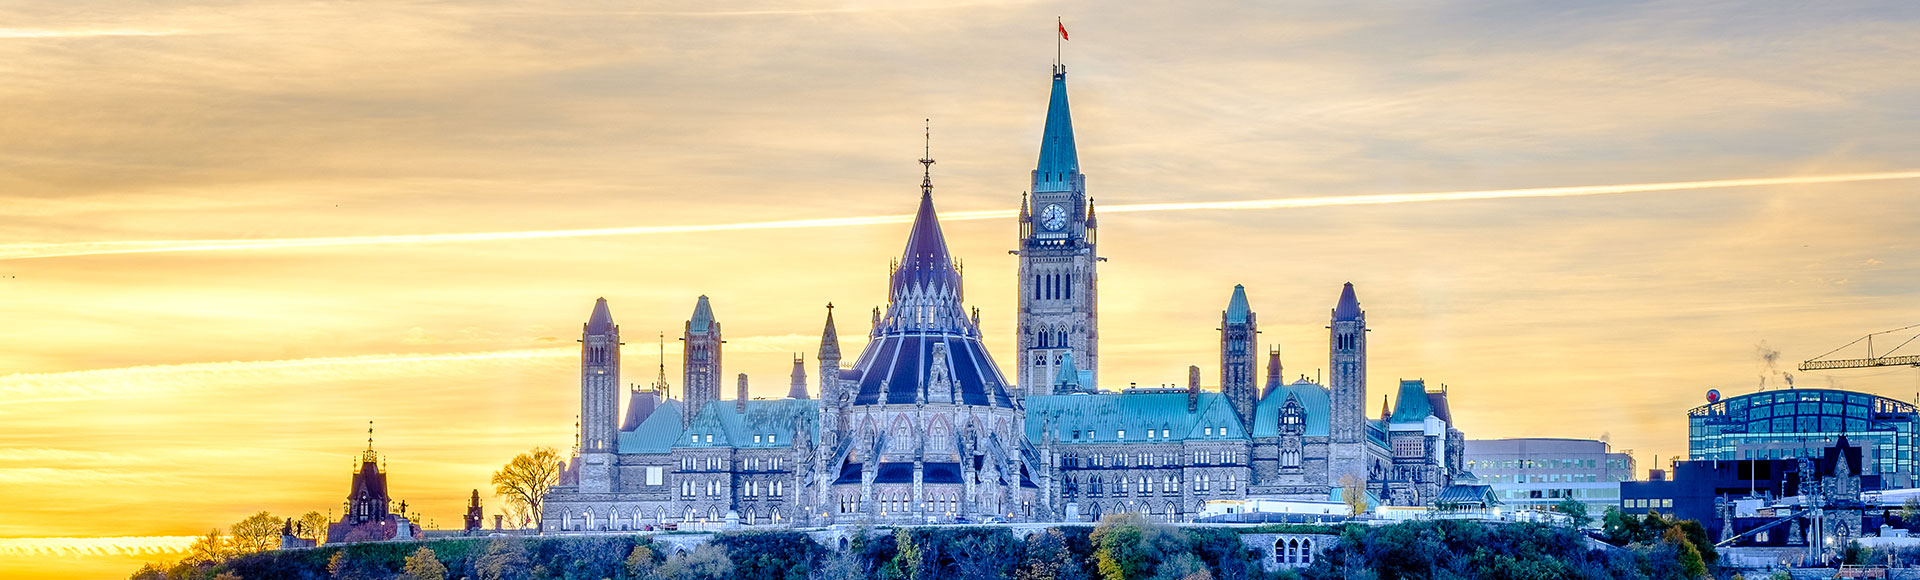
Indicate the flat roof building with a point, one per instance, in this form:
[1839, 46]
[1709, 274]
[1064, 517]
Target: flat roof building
[1538, 473]
[1793, 423]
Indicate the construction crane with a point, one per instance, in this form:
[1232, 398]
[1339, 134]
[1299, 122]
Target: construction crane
[1884, 359]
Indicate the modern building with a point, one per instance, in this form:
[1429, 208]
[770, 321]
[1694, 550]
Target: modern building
[1538, 473]
[922, 426]
[1818, 501]
[1793, 423]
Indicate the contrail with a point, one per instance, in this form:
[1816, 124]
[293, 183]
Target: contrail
[24, 251]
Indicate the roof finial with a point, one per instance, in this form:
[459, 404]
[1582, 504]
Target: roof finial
[926, 160]
[369, 435]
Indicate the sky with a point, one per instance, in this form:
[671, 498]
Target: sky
[166, 393]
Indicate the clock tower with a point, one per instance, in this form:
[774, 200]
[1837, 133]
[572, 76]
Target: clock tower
[1057, 285]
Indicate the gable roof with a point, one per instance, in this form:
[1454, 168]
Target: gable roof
[1315, 399]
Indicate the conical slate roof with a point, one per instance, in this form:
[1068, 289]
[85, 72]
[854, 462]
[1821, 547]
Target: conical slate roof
[602, 320]
[926, 263]
[1349, 306]
[1059, 160]
[925, 328]
[1237, 308]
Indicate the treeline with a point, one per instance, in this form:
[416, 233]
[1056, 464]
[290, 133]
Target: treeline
[1122, 547]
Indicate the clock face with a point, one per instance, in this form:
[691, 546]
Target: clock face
[1053, 217]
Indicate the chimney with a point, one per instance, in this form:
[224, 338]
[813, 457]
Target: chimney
[1193, 388]
[740, 402]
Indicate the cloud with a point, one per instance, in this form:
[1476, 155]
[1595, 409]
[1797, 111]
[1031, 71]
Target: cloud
[36, 33]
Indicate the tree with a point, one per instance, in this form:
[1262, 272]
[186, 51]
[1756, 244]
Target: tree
[256, 533]
[524, 481]
[504, 559]
[424, 565]
[707, 562]
[208, 549]
[312, 526]
[1576, 512]
[1353, 491]
[640, 563]
[1691, 564]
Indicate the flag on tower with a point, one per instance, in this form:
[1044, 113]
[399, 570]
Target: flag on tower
[1063, 31]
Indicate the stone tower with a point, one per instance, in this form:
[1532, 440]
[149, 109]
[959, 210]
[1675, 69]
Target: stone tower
[599, 380]
[599, 398]
[1348, 340]
[1057, 284]
[701, 358]
[1239, 333]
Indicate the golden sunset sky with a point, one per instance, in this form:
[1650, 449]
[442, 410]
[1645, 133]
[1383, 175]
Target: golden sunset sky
[165, 393]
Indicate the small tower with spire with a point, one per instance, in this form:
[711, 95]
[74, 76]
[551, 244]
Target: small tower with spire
[798, 388]
[1347, 336]
[1239, 333]
[701, 360]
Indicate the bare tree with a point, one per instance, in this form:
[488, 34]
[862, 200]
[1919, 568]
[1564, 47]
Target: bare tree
[524, 481]
[257, 533]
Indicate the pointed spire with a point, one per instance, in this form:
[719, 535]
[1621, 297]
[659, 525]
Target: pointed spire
[1384, 412]
[798, 390]
[1059, 166]
[1237, 308]
[601, 321]
[829, 338]
[1349, 306]
[660, 383]
[1069, 376]
[926, 265]
[702, 321]
[1275, 379]
[1092, 220]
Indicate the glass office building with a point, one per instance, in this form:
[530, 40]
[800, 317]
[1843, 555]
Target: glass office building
[1792, 423]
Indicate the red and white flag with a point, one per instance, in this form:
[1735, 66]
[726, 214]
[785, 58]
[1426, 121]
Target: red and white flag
[1063, 32]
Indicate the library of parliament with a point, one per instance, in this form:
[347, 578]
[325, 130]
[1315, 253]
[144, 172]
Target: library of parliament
[924, 426]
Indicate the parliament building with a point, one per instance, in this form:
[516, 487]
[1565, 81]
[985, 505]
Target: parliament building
[924, 426]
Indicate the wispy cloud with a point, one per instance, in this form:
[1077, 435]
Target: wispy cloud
[28, 33]
[157, 379]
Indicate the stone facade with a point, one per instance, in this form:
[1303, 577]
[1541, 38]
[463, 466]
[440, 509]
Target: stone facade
[921, 426]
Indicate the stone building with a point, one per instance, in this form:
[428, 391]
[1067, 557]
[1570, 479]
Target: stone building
[922, 426]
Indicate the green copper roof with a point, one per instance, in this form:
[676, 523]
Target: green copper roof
[657, 433]
[1412, 405]
[1068, 375]
[774, 420]
[1059, 159]
[1100, 418]
[1237, 309]
[702, 321]
[1314, 399]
